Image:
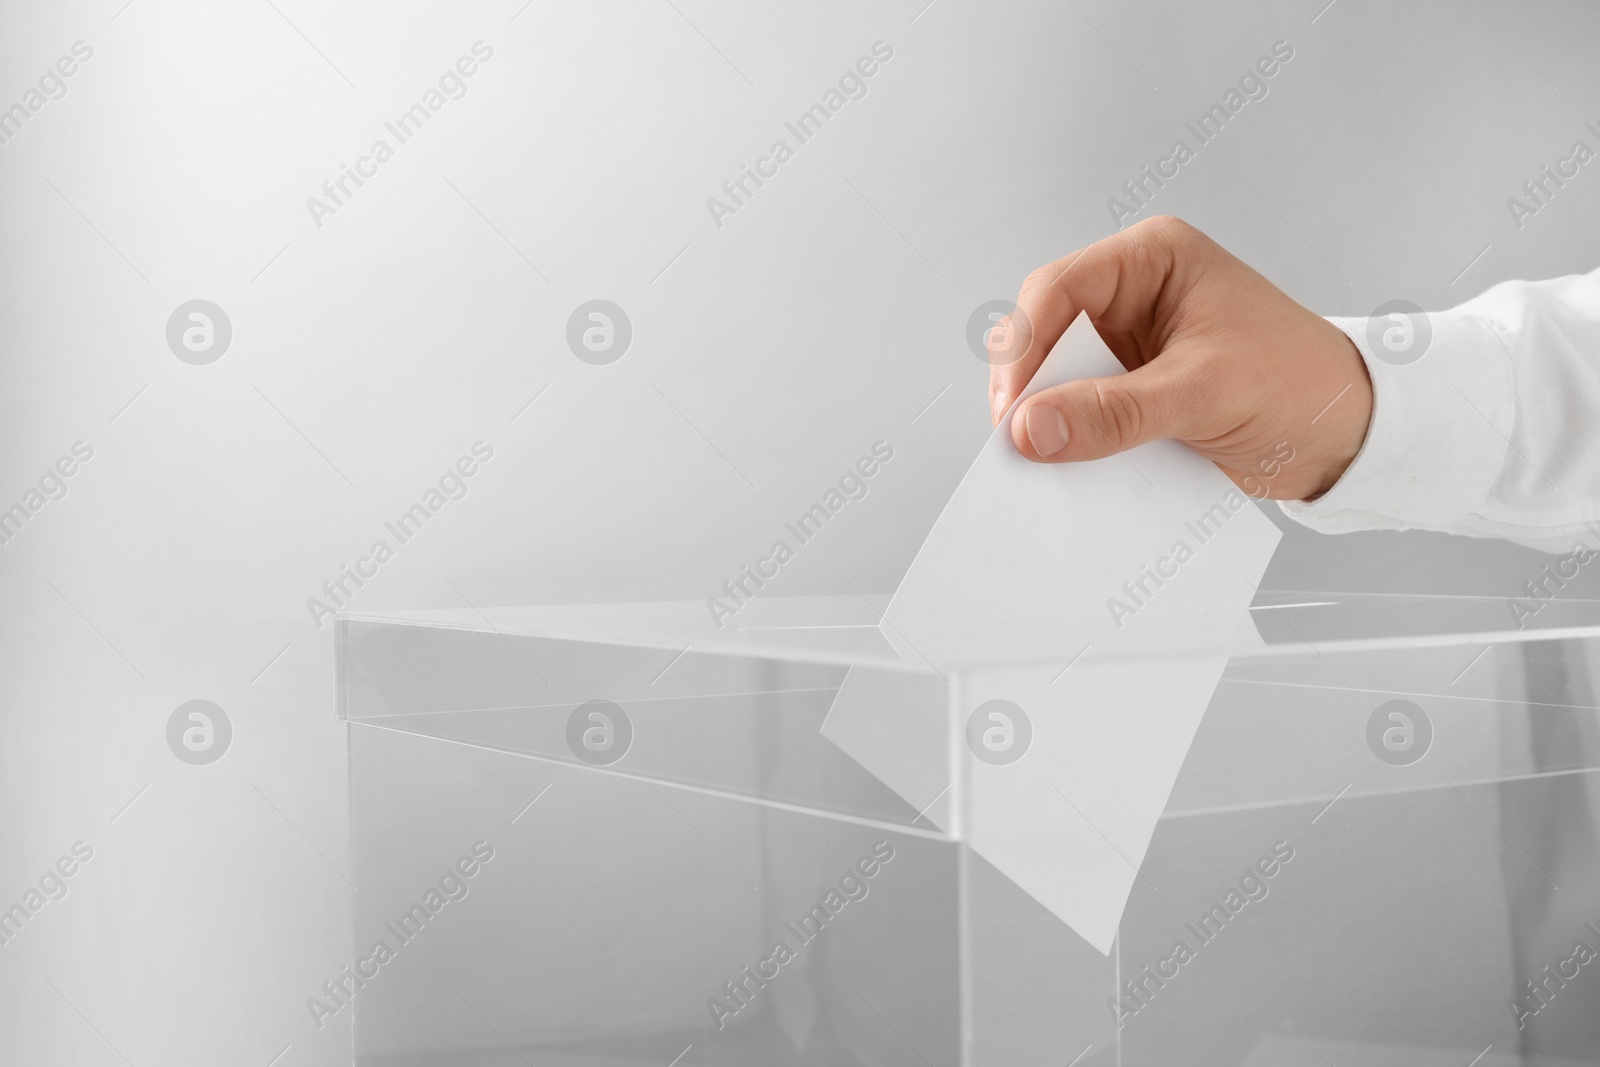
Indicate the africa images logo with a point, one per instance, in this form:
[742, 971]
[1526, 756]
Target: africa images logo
[999, 732]
[1252, 887]
[852, 85]
[1253, 85]
[452, 886]
[852, 485]
[451, 85]
[741, 990]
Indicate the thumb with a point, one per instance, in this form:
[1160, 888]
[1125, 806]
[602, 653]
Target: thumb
[1092, 418]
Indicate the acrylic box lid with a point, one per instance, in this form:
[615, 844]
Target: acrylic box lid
[851, 629]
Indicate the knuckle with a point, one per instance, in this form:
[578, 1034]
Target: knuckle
[1118, 414]
[1039, 281]
[1170, 228]
[1165, 238]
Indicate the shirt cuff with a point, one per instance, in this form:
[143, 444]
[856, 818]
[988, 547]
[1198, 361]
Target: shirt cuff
[1438, 436]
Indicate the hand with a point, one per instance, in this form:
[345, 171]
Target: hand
[1218, 358]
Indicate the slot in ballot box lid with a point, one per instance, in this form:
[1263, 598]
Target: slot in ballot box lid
[846, 630]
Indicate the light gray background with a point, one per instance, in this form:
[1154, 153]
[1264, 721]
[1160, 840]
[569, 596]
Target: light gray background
[370, 353]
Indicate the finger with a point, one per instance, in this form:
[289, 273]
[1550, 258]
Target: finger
[1122, 275]
[1092, 418]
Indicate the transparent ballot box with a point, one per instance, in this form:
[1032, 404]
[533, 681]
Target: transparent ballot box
[1338, 829]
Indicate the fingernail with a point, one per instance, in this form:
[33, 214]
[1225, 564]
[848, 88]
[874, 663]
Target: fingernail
[1047, 430]
[997, 407]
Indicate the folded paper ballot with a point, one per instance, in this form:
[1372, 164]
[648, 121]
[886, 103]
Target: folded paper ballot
[1090, 609]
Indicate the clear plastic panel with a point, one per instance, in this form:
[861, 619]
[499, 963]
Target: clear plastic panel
[708, 722]
[1330, 883]
[627, 900]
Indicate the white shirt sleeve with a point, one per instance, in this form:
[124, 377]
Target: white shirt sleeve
[1493, 432]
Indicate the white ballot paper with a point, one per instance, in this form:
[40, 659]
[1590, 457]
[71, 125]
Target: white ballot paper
[1101, 599]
